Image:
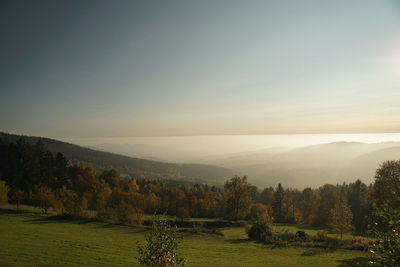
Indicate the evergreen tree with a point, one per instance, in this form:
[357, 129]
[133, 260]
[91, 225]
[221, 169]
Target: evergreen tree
[278, 207]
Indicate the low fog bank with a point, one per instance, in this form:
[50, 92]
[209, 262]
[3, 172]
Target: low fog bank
[293, 160]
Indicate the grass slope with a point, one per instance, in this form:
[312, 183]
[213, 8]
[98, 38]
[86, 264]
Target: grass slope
[32, 240]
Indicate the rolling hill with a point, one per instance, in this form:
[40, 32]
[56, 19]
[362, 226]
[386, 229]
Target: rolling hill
[315, 165]
[128, 165]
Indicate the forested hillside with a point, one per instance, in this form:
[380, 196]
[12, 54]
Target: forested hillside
[134, 167]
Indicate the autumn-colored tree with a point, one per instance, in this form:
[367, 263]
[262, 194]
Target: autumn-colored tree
[127, 207]
[291, 200]
[259, 211]
[138, 205]
[238, 197]
[4, 192]
[340, 219]
[177, 199]
[72, 203]
[133, 186]
[152, 203]
[83, 178]
[17, 196]
[210, 204]
[98, 195]
[126, 213]
[45, 198]
[329, 195]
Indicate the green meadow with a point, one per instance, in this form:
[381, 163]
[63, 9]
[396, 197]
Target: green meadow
[30, 239]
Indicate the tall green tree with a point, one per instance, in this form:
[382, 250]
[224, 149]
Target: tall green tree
[357, 197]
[329, 196]
[385, 199]
[387, 184]
[385, 251]
[238, 197]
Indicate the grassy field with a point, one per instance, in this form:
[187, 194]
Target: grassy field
[28, 239]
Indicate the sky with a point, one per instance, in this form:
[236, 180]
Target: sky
[73, 69]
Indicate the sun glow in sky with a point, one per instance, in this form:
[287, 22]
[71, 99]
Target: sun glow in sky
[72, 69]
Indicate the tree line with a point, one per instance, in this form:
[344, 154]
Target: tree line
[32, 175]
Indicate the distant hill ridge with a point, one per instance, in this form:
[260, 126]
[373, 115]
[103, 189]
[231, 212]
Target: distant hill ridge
[128, 165]
[316, 164]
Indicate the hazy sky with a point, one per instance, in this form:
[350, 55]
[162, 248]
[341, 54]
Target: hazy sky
[155, 68]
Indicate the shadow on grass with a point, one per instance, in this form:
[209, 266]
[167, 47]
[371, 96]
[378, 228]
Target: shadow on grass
[305, 227]
[52, 219]
[134, 228]
[11, 211]
[60, 219]
[239, 241]
[17, 211]
[360, 261]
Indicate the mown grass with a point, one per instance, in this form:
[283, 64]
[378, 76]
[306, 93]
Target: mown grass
[28, 239]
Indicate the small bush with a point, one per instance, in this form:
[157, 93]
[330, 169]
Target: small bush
[302, 236]
[260, 230]
[161, 247]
